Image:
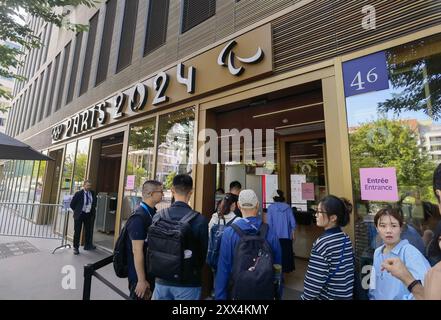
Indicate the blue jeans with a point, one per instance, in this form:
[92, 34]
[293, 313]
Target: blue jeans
[163, 292]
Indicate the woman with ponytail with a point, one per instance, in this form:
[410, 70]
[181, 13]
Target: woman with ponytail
[330, 274]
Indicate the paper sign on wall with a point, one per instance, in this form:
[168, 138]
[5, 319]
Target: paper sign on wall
[130, 184]
[296, 191]
[308, 191]
[378, 184]
[270, 185]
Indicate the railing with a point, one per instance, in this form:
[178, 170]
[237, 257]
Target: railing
[90, 271]
[35, 220]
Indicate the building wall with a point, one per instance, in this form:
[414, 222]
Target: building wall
[300, 37]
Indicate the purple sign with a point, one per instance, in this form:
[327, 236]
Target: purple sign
[365, 74]
[130, 184]
[378, 184]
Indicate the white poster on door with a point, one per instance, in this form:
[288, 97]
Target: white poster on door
[296, 191]
[271, 184]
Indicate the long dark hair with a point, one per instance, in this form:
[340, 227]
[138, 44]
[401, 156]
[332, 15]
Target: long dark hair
[433, 249]
[226, 204]
[340, 207]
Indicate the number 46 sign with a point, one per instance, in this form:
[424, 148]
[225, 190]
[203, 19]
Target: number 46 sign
[365, 74]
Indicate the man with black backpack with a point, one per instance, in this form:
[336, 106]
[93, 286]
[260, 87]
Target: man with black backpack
[249, 254]
[177, 246]
[140, 284]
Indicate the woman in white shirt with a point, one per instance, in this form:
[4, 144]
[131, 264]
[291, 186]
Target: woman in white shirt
[225, 212]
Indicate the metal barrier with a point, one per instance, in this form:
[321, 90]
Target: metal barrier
[90, 271]
[35, 220]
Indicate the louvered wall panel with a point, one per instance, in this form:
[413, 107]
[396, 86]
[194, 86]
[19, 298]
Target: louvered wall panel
[250, 11]
[324, 29]
[224, 18]
[200, 36]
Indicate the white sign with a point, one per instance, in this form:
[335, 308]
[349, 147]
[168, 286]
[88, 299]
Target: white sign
[296, 191]
[271, 185]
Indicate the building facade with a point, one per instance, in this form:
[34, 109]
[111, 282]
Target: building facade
[127, 101]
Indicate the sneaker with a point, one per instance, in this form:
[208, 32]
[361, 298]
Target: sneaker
[76, 251]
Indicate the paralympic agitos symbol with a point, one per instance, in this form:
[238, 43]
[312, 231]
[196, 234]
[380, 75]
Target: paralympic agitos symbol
[226, 58]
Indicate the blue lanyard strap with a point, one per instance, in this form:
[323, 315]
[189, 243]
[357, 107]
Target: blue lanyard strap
[146, 208]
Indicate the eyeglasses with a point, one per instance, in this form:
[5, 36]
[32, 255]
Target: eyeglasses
[161, 191]
[322, 212]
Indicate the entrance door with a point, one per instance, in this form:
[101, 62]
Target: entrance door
[105, 173]
[305, 185]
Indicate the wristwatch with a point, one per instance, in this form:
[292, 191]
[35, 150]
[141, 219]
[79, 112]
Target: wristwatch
[413, 284]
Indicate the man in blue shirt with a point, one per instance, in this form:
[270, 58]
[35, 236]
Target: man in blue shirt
[250, 223]
[140, 285]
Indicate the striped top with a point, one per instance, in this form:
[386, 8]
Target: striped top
[322, 280]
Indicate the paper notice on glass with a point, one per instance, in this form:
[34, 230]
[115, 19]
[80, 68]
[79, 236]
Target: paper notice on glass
[271, 184]
[130, 184]
[308, 191]
[296, 191]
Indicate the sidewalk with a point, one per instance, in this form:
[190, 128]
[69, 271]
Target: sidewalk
[29, 271]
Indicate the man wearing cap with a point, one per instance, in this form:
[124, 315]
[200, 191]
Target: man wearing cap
[250, 223]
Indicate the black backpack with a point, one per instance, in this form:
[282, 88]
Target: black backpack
[252, 276]
[216, 233]
[167, 241]
[120, 253]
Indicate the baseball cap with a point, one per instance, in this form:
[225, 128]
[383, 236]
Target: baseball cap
[248, 199]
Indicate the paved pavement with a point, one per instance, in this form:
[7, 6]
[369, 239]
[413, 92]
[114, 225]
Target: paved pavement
[29, 271]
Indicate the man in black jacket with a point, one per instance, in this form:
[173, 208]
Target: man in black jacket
[83, 205]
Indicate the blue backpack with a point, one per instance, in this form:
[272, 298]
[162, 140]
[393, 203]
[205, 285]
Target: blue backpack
[215, 241]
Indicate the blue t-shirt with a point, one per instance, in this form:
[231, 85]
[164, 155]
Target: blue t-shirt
[137, 230]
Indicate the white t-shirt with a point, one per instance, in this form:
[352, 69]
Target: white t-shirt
[215, 219]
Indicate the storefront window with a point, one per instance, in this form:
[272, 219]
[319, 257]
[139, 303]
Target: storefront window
[34, 181]
[175, 149]
[68, 167]
[39, 183]
[139, 164]
[81, 164]
[399, 128]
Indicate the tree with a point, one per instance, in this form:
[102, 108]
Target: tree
[391, 143]
[419, 80]
[12, 30]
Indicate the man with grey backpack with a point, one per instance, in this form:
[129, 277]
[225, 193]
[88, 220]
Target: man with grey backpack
[177, 246]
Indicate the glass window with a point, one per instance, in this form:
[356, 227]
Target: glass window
[68, 167]
[34, 181]
[399, 127]
[39, 183]
[139, 164]
[175, 149]
[81, 164]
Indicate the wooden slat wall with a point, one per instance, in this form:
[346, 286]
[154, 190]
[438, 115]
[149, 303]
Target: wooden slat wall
[324, 29]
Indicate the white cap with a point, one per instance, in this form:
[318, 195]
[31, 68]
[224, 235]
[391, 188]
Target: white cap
[248, 199]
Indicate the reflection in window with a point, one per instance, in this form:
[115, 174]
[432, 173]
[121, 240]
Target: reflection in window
[175, 149]
[139, 164]
[68, 166]
[400, 127]
[39, 183]
[80, 164]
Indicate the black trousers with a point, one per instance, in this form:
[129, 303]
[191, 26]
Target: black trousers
[87, 220]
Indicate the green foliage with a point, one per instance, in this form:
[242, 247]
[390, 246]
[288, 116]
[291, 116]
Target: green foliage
[391, 143]
[12, 30]
[169, 180]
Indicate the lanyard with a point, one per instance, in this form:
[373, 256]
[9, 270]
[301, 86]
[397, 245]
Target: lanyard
[146, 208]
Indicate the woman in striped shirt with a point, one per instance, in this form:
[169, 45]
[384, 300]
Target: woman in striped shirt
[330, 274]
